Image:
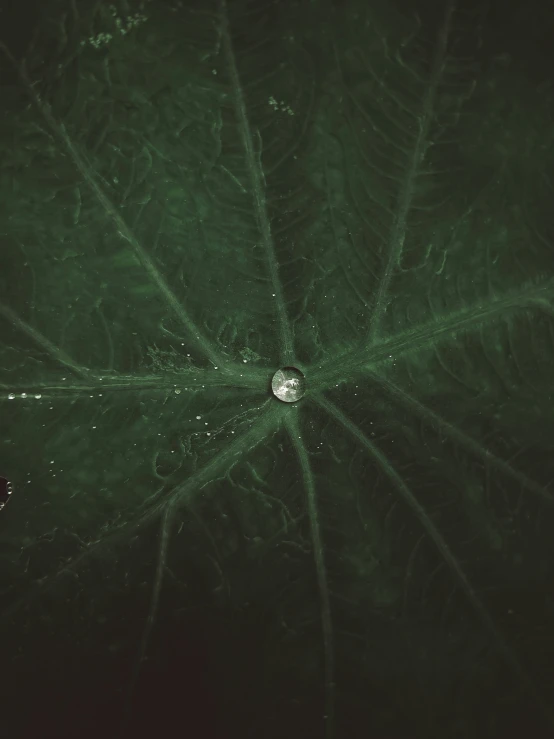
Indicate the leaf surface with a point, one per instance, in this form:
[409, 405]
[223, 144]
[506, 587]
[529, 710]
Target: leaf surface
[196, 196]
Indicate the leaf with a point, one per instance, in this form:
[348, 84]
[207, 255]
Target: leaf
[206, 201]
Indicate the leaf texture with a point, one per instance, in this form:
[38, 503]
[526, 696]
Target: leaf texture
[197, 195]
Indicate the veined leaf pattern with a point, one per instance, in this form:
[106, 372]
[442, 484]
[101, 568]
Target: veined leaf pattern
[198, 196]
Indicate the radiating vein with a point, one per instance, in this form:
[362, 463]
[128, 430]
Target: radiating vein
[196, 379]
[195, 335]
[462, 438]
[343, 367]
[398, 230]
[257, 184]
[292, 426]
[175, 497]
[444, 551]
[165, 528]
[55, 352]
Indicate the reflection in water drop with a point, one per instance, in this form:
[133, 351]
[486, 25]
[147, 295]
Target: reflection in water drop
[288, 384]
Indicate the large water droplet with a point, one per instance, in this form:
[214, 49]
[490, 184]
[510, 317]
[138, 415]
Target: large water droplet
[288, 384]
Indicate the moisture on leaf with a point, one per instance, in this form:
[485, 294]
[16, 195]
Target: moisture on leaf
[276, 350]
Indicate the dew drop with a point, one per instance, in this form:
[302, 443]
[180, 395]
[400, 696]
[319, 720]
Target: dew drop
[6, 489]
[288, 384]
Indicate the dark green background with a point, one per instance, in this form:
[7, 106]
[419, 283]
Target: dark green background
[360, 190]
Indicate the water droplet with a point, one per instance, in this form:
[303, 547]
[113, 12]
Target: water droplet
[6, 489]
[288, 384]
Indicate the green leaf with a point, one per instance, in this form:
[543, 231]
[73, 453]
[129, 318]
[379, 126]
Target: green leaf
[356, 201]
